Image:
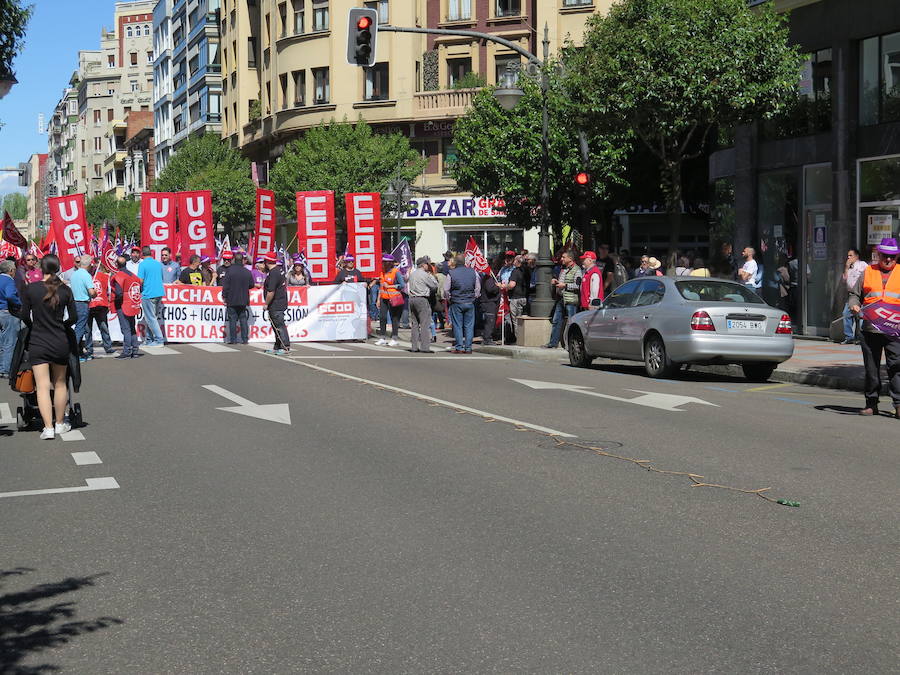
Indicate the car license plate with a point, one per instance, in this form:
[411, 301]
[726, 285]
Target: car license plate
[742, 324]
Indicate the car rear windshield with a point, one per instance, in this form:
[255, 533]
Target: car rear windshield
[703, 290]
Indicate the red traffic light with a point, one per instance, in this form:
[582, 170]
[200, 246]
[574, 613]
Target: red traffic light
[582, 178]
[364, 23]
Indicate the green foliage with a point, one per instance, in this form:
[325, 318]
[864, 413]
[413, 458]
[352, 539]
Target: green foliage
[342, 157]
[13, 21]
[670, 71]
[470, 80]
[500, 155]
[205, 163]
[16, 205]
[122, 213]
[255, 111]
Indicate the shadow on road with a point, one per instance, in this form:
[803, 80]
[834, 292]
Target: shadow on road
[687, 375]
[35, 620]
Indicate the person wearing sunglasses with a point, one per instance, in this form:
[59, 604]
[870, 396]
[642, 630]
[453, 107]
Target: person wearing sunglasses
[877, 295]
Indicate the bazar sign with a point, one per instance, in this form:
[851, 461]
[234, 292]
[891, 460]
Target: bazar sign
[455, 207]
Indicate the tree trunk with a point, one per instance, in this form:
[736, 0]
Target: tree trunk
[672, 189]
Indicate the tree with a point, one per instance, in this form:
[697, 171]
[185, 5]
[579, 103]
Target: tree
[16, 204]
[121, 213]
[205, 163]
[13, 21]
[670, 71]
[499, 155]
[343, 157]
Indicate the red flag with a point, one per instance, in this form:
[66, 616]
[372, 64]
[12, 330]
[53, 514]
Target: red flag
[264, 238]
[35, 250]
[251, 248]
[195, 219]
[315, 231]
[475, 258]
[10, 234]
[68, 224]
[364, 231]
[158, 221]
[503, 308]
[8, 250]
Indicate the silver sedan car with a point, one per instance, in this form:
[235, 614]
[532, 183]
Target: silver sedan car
[667, 322]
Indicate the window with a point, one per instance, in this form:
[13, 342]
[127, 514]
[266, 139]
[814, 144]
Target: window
[320, 80]
[98, 144]
[577, 3]
[129, 32]
[132, 57]
[111, 61]
[194, 65]
[506, 70]
[134, 85]
[283, 86]
[299, 87]
[98, 171]
[879, 81]
[97, 117]
[149, 57]
[251, 52]
[82, 146]
[457, 69]
[449, 156]
[376, 84]
[508, 7]
[146, 30]
[109, 114]
[623, 296]
[283, 20]
[267, 35]
[650, 293]
[73, 107]
[299, 7]
[320, 14]
[214, 105]
[381, 6]
[459, 10]
[84, 172]
[212, 57]
[715, 291]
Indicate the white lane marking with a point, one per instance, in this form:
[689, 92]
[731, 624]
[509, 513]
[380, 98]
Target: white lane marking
[320, 346]
[82, 458]
[650, 399]
[374, 348]
[259, 345]
[272, 412]
[73, 435]
[430, 399]
[213, 347]
[158, 351]
[107, 483]
[6, 416]
[437, 357]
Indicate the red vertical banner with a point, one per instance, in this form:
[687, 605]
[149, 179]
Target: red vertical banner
[264, 240]
[158, 221]
[195, 219]
[315, 232]
[69, 225]
[364, 231]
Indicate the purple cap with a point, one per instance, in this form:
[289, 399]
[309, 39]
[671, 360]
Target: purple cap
[387, 257]
[349, 258]
[204, 259]
[888, 246]
[259, 259]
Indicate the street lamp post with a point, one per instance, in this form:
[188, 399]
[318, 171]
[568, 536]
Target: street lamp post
[399, 189]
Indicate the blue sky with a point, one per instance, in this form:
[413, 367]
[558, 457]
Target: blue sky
[57, 31]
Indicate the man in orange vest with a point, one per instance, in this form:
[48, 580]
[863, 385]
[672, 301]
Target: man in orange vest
[878, 292]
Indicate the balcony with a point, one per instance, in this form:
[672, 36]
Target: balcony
[446, 103]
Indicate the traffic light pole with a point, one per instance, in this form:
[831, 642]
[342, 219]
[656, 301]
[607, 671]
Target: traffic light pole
[542, 304]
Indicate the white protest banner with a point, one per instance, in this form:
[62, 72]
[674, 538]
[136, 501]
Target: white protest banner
[197, 314]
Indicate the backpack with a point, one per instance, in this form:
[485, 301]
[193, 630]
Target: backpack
[620, 276]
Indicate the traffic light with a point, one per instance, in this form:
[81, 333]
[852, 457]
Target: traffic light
[582, 197]
[362, 30]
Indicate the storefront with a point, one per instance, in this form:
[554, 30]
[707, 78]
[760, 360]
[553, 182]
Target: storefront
[878, 181]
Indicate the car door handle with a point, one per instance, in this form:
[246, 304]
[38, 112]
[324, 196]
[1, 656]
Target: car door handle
[646, 317]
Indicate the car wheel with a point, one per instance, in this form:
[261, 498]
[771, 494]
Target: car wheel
[578, 355]
[758, 372]
[656, 360]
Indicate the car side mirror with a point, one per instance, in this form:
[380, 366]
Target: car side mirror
[596, 302]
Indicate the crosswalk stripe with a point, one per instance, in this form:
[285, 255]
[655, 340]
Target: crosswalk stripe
[159, 351]
[6, 416]
[374, 348]
[320, 346]
[213, 347]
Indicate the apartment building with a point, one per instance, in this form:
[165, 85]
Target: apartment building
[36, 201]
[62, 138]
[285, 71]
[187, 73]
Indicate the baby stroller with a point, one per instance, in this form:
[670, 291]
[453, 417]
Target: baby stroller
[28, 412]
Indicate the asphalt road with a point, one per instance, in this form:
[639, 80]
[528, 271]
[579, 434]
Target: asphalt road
[385, 531]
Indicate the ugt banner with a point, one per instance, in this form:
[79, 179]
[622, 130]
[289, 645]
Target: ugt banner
[197, 314]
[69, 225]
[364, 231]
[884, 317]
[195, 220]
[315, 232]
[265, 221]
[158, 221]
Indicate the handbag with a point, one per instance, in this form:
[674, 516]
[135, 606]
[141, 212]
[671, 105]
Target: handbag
[25, 382]
[396, 300]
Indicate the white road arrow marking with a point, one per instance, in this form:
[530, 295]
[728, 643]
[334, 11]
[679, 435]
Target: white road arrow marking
[6, 416]
[273, 412]
[669, 402]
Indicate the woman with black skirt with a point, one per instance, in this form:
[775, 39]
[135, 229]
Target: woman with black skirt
[44, 303]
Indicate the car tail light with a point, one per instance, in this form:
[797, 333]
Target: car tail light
[702, 321]
[784, 326]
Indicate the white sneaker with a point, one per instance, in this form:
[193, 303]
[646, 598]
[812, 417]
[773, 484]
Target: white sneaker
[47, 434]
[380, 341]
[393, 343]
[63, 428]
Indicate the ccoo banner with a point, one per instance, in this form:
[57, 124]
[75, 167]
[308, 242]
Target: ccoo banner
[195, 220]
[265, 221]
[69, 225]
[158, 221]
[315, 232]
[364, 231]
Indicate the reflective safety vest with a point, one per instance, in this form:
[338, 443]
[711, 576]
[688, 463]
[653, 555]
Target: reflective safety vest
[875, 290]
[389, 284]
